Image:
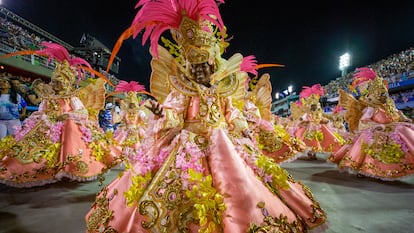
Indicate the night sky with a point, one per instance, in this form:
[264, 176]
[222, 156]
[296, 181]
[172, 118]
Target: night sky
[308, 39]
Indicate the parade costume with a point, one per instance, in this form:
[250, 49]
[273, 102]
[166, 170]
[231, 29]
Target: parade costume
[382, 145]
[59, 140]
[202, 173]
[134, 119]
[272, 139]
[312, 127]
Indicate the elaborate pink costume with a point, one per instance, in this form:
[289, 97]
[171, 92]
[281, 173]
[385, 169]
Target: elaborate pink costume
[312, 128]
[203, 173]
[134, 119]
[383, 141]
[273, 140]
[56, 141]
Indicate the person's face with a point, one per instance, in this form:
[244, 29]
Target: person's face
[16, 83]
[38, 87]
[201, 73]
[56, 85]
[131, 105]
[4, 84]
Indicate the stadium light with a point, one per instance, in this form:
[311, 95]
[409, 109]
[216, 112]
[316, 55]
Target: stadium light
[290, 89]
[277, 95]
[344, 62]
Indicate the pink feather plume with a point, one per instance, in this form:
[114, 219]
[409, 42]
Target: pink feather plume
[316, 89]
[249, 65]
[363, 75]
[155, 17]
[132, 86]
[60, 53]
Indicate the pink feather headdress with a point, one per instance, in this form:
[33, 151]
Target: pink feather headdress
[132, 86]
[155, 17]
[362, 75]
[316, 89]
[58, 52]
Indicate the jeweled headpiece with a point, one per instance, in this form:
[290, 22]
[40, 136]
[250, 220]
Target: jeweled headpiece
[377, 87]
[311, 95]
[368, 82]
[191, 23]
[131, 90]
[64, 73]
[197, 41]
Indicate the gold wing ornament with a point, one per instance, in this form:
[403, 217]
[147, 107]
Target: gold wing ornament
[92, 95]
[263, 96]
[296, 111]
[167, 74]
[162, 67]
[353, 109]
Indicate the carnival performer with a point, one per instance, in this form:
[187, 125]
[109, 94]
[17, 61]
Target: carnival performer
[383, 142]
[337, 122]
[312, 128]
[272, 138]
[134, 119]
[57, 141]
[203, 173]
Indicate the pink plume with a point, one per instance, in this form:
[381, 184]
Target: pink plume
[363, 75]
[249, 64]
[155, 17]
[316, 89]
[54, 51]
[132, 86]
[60, 53]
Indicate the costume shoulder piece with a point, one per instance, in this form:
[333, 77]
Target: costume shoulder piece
[94, 102]
[167, 74]
[263, 96]
[162, 67]
[353, 109]
[228, 86]
[229, 77]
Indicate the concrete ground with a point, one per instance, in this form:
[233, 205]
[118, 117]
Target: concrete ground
[352, 204]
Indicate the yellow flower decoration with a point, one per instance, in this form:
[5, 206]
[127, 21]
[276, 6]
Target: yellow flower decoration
[51, 154]
[139, 184]
[387, 153]
[6, 144]
[209, 205]
[340, 139]
[279, 175]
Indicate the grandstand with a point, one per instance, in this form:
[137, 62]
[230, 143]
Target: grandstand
[18, 34]
[397, 69]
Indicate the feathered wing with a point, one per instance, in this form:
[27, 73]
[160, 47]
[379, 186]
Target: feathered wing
[162, 66]
[296, 111]
[353, 109]
[92, 96]
[263, 93]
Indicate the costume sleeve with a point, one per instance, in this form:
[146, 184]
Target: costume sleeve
[235, 119]
[173, 108]
[79, 112]
[367, 114]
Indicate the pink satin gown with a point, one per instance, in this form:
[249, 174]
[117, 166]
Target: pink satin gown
[46, 150]
[202, 174]
[381, 148]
